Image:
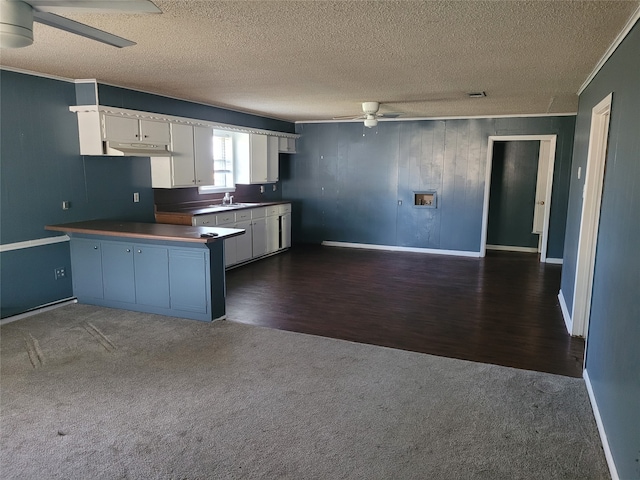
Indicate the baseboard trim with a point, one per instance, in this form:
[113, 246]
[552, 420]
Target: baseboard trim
[512, 248]
[392, 248]
[565, 313]
[603, 434]
[41, 309]
[555, 261]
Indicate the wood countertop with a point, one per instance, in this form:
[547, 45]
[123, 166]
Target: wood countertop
[151, 231]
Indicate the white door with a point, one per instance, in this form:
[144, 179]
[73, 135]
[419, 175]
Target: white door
[541, 187]
[590, 218]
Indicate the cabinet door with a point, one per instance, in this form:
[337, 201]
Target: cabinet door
[230, 251]
[273, 233]
[285, 230]
[244, 243]
[152, 275]
[188, 280]
[121, 129]
[155, 132]
[203, 154]
[259, 231]
[182, 165]
[259, 157]
[117, 272]
[86, 268]
[273, 157]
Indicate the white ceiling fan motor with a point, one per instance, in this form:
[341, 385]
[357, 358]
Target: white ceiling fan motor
[370, 108]
[16, 24]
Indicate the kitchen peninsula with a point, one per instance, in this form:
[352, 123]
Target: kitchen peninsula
[165, 269]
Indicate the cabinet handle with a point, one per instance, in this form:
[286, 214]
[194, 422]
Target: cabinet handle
[146, 136]
[139, 251]
[95, 247]
[128, 250]
[137, 135]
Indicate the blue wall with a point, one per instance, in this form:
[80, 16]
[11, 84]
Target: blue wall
[40, 166]
[514, 172]
[613, 356]
[134, 100]
[346, 186]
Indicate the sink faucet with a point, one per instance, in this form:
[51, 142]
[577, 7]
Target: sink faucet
[227, 198]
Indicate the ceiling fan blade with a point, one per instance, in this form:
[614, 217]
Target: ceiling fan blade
[349, 117]
[94, 6]
[81, 29]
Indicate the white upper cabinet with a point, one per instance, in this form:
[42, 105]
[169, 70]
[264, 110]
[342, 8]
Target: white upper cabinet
[191, 161]
[133, 130]
[252, 151]
[287, 145]
[273, 155]
[203, 155]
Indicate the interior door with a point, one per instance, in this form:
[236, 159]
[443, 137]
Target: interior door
[541, 187]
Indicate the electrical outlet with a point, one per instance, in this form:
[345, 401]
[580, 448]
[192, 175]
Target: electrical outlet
[136, 197]
[59, 273]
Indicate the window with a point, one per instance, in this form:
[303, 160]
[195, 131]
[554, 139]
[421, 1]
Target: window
[222, 164]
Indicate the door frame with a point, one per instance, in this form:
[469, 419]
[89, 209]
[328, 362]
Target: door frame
[547, 201]
[590, 217]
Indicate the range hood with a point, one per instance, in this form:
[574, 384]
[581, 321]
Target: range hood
[136, 149]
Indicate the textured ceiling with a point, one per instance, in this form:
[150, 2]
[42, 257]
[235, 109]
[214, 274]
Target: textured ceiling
[315, 60]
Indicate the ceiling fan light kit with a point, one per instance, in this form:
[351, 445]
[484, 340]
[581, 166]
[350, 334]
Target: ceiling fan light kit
[370, 121]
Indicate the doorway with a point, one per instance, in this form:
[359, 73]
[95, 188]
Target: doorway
[590, 218]
[544, 166]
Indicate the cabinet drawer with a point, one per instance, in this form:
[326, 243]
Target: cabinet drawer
[286, 208]
[204, 221]
[258, 212]
[225, 218]
[273, 210]
[243, 215]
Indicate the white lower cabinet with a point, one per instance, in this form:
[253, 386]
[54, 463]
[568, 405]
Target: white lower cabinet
[244, 243]
[267, 230]
[273, 228]
[259, 230]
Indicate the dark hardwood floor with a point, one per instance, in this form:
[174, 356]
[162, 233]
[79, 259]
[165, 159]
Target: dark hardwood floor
[502, 309]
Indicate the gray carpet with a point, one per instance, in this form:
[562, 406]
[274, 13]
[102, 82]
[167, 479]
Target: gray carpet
[90, 392]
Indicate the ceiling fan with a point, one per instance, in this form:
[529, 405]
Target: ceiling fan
[370, 110]
[17, 17]
[370, 114]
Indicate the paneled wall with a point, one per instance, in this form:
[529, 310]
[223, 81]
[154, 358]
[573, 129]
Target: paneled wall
[347, 181]
[612, 355]
[41, 167]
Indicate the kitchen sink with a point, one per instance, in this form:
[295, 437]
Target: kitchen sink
[231, 206]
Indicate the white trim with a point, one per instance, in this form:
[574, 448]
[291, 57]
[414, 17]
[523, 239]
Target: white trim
[590, 216]
[512, 248]
[603, 434]
[125, 112]
[616, 43]
[565, 312]
[37, 74]
[393, 248]
[487, 186]
[41, 309]
[33, 243]
[554, 261]
[468, 117]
